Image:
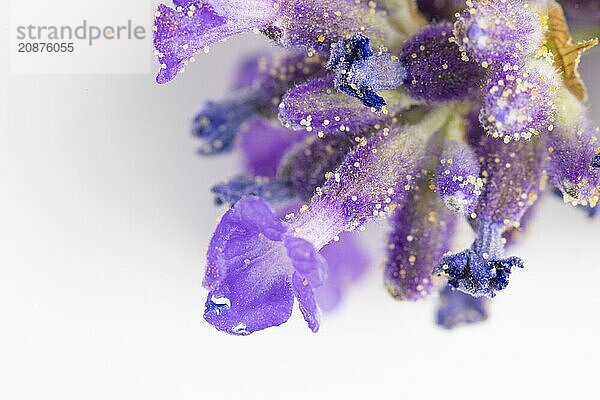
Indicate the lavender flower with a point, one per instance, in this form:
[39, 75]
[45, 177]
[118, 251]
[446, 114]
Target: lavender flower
[373, 113]
[457, 177]
[257, 91]
[519, 101]
[255, 268]
[194, 25]
[323, 155]
[572, 148]
[517, 168]
[498, 31]
[317, 107]
[435, 70]
[422, 231]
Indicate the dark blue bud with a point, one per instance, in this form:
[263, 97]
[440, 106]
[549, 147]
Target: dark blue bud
[474, 274]
[368, 97]
[348, 51]
[219, 123]
[596, 161]
[271, 190]
[457, 308]
[361, 73]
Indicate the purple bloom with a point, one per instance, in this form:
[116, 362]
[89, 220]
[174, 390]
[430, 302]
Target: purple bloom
[375, 176]
[570, 147]
[254, 257]
[323, 155]
[519, 101]
[435, 70]
[255, 267]
[317, 107]
[457, 308]
[403, 121]
[317, 24]
[472, 273]
[346, 264]
[192, 26]
[263, 144]
[457, 177]
[497, 31]
[360, 73]
[181, 32]
[422, 231]
[512, 182]
[258, 90]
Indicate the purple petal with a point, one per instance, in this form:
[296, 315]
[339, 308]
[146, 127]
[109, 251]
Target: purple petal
[237, 238]
[263, 144]
[317, 24]
[306, 261]
[480, 270]
[250, 267]
[251, 298]
[306, 301]
[191, 26]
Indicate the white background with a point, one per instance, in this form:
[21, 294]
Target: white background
[104, 218]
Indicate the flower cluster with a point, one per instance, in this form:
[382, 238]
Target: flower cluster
[369, 111]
